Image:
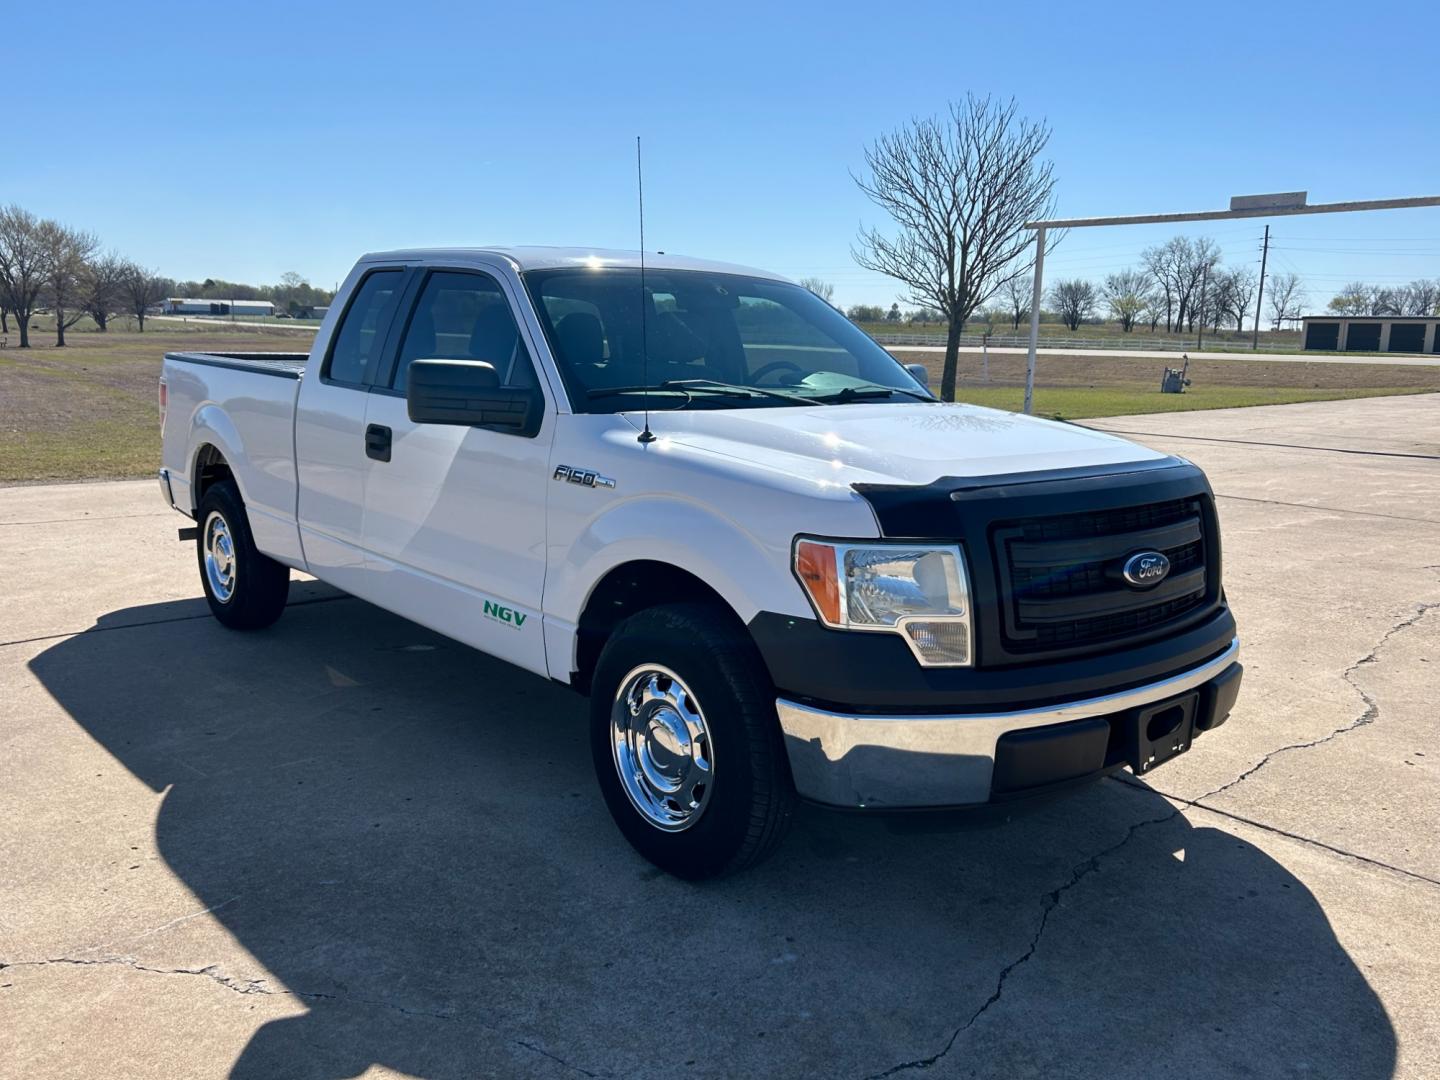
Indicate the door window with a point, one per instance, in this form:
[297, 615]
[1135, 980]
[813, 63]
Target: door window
[362, 331]
[465, 316]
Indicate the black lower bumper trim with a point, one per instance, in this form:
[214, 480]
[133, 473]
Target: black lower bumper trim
[877, 673]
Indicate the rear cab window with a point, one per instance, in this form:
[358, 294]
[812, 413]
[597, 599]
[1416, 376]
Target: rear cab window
[355, 349]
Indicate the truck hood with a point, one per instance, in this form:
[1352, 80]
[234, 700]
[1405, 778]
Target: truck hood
[891, 443]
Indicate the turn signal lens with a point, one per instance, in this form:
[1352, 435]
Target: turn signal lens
[815, 564]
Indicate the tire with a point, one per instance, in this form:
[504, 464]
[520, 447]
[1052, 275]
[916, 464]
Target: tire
[690, 661]
[248, 590]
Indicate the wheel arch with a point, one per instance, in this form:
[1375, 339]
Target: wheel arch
[208, 468]
[217, 448]
[630, 587]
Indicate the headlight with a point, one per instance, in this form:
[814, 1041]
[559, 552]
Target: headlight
[919, 591]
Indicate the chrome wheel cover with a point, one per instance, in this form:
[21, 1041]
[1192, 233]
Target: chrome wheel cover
[661, 747]
[219, 551]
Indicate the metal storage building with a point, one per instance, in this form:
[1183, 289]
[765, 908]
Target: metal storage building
[1372, 333]
[179, 305]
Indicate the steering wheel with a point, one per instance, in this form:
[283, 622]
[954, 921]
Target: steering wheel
[776, 365]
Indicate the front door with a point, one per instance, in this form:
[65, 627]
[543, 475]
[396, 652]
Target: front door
[454, 525]
[330, 432]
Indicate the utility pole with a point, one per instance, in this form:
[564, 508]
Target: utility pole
[1204, 295]
[1034, 319]
[1260, 296]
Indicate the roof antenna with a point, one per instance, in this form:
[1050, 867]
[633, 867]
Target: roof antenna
[647, 436]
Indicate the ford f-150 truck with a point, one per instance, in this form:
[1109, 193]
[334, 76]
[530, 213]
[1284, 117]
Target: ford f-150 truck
[777, 565]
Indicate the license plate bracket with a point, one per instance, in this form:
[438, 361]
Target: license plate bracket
[1156, 733]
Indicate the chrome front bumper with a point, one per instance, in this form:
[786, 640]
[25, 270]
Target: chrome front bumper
[913, 761]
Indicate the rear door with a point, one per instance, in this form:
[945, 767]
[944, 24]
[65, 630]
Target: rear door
[330, 436]
[454, 521]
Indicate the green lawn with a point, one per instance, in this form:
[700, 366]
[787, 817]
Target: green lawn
[89, 411]
[1077, 403]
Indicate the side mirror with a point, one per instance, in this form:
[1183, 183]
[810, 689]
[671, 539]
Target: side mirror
[468, 393]
[921, 373]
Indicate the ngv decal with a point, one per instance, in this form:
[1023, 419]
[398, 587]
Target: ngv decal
[503, 614]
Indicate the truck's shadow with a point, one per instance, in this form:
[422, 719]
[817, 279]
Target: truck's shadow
[408, 833]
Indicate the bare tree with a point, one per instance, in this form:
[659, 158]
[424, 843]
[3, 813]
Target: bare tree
[1127, 295]
[1358, 298]
[24, 265]
[1073, 301]
[1197, 266]
[103, 288]
[960, 187]
[1235, 295]
[1018, 292]
[1154, 309]
[143, 289]
[1286, 298]
[68, 256]
[1416, 299]
[1160, 261]
[1180, 267]
[823, 289]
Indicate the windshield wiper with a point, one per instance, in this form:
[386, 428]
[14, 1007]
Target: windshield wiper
[715, 386]
[700, 386]
[869, 391]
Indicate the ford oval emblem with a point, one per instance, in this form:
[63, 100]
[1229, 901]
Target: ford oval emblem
[1146, 568]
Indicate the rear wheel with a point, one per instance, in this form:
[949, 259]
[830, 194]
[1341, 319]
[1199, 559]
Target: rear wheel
[686, 744]
[246, 590]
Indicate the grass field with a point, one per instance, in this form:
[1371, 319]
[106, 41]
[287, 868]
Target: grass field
[1225, 340]
[1077, 385]
[88, 411]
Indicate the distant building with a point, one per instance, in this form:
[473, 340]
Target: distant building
[179, 305]
[1372, 333]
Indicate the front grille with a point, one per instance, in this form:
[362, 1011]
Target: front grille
[1060, 577]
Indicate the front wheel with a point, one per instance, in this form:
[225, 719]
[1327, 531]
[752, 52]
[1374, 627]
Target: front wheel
[246, 589]
[686, 744]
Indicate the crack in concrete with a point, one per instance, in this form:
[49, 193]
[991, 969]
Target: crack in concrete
[85, 520]
[1378, 864]
[239, 986]
[1330, 510]
[1048, 904]
[161, 622]
[1368, 715]
[1276, 445]
[1051, 900]
[558, 1060]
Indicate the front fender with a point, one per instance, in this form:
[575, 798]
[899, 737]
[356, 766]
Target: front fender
[738, 564]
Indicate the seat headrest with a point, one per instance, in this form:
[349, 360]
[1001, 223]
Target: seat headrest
[581, 339]
[493, 336]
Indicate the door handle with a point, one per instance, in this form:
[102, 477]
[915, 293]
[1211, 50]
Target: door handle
[377, 442]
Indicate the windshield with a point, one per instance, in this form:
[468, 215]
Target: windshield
[715, 341]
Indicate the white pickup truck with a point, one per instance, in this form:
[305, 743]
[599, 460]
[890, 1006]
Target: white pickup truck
[700, 495]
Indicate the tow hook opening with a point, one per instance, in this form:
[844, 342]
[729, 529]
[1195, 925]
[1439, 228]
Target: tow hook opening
[1164, 722]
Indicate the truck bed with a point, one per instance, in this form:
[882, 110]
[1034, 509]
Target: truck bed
[237, 408]
[281, 364]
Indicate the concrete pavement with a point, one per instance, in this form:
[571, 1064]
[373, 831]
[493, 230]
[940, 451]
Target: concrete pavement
[348, 846]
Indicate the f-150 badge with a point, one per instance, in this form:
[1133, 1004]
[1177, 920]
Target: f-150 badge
[583, 477]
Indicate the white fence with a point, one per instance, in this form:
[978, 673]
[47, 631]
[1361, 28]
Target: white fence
[1129, 342]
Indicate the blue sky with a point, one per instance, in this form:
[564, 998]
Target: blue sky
[245, 141]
